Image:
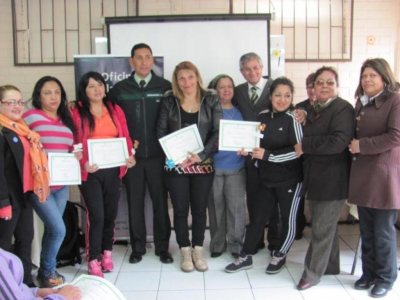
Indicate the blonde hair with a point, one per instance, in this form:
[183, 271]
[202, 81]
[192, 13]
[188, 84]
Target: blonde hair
[7, 87]
[186, 65]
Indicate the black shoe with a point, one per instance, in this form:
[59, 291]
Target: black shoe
[363, 283]
[379, 291]
[244, 262]
[278, 261]
[165, 257]
[135, 257]
[216, 254]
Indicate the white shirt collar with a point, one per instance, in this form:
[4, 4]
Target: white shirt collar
[138, 79]
[365, 99]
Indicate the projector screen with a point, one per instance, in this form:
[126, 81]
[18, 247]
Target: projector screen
[214, 43]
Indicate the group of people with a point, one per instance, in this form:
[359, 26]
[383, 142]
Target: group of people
[321, 150]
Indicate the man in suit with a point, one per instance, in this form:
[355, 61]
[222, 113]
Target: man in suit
[139, 97]
[252, 97]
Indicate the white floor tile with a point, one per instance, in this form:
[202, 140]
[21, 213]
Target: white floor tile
[236, 294]
[215, 280]
[259, 279]
[150, 263]
[326, 292]
[142, 295]
[138, 281]
[175, 281]
[364, 294]
[176, 295]
[279, 293]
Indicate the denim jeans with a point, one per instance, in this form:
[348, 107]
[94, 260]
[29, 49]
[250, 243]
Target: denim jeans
[51, 213]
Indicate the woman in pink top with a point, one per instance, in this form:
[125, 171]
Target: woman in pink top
[96, 117]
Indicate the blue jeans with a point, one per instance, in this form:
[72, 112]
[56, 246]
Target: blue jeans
[51, 213]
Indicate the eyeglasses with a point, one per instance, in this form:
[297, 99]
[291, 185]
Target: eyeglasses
[14, 102]
[322, 82]
[310, 87]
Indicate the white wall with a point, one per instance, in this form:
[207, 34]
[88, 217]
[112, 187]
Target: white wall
[371, 17]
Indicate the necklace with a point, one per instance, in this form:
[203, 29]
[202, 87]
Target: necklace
[229, 113]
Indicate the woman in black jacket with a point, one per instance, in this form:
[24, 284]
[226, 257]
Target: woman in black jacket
[189, 183]
[280, 172]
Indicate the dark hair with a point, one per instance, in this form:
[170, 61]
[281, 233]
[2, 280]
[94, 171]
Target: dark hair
[213, 83]
[382, 67]
[310, 79]
[282, 81]
[84, 109]
[62, 110]
[140, 46]
[329, 69]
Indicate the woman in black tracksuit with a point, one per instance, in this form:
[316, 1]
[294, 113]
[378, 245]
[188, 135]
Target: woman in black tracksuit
[280, 176]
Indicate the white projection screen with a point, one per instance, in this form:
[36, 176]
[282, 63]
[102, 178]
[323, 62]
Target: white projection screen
[214, 43]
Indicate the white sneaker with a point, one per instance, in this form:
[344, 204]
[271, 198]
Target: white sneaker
[186, 260]
[199, 262]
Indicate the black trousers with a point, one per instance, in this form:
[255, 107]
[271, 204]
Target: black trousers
[189, 191]
[21, 226]
[252, 184]
[148, 171]
[101, 192]
[288, 199]
[378, 244]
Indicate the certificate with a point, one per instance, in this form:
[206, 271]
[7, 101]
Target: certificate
[96, 288]
[177, 144]
[64, 169]
[235, 135]
[108, 153]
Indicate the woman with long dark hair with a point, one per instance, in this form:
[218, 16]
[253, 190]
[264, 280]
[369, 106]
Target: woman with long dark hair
[97, 117]
[52, 120]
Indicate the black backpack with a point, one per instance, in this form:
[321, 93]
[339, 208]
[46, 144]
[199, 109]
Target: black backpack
[69, 253]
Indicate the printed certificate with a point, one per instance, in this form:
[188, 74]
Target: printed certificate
[235, 135]
[108, 153]
[96, 288]
[177, 144]
[64, 169]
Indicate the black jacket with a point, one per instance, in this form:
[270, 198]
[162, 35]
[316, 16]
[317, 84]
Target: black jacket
[241, 98]
[326, 158]
[11, 167]
[210, 113]
[280, 165]
[141, 109]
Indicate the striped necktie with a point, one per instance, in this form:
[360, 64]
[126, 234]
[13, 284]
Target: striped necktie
[254, 96]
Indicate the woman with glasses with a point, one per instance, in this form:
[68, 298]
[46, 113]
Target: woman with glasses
[51, 118]
[23, 171]
[326, 165]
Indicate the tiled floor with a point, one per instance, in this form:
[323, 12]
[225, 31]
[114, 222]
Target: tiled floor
[150, 279]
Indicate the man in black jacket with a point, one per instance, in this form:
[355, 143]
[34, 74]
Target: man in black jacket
[139, 97]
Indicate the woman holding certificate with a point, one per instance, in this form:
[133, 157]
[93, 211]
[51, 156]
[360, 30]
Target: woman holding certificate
[226, 205]
[96, 117]
[189, 183]
[52, 120]
[280, 176]
[23, 170]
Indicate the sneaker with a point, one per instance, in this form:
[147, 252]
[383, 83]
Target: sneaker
[198, 259]
[53, 280]
[106, 262]
[243, 262]
[94, 268]
[186, 260]
[277, 263]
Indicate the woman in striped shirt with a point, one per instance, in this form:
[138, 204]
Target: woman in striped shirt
[51, 118]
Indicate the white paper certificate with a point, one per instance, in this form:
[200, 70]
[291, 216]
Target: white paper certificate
[64, 169]
[96, 288]
[177, 144]
[235, 135]
[108, 153]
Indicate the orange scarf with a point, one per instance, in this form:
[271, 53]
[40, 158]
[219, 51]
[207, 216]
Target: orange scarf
[40, 169]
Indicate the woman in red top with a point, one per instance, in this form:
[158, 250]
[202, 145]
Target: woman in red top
[96, 117]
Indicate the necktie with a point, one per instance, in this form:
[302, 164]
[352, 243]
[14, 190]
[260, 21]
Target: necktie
[142, 83]
[254, 96]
